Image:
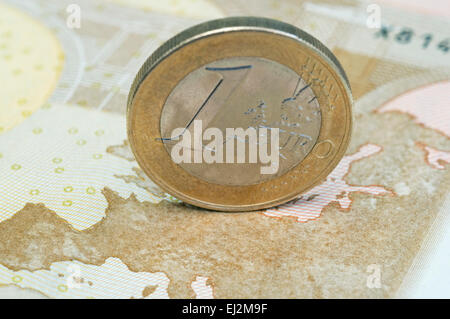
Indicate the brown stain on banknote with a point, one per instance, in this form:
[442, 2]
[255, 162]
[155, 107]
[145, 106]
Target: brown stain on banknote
[248, 255]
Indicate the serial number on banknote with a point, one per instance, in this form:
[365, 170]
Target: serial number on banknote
[406, 35]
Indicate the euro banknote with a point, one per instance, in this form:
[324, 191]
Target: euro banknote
[79, 218]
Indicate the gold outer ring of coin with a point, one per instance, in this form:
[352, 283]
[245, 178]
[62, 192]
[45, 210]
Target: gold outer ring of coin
[228, 38]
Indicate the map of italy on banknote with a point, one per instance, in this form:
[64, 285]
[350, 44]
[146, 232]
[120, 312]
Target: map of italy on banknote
[79, 219]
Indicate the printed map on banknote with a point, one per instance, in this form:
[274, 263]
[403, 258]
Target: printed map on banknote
[79, 219]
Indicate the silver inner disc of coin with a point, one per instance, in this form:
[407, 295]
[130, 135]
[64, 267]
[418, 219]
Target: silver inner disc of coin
[241, 92]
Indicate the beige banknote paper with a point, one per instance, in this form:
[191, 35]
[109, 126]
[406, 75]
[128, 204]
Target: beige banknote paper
[78, 216]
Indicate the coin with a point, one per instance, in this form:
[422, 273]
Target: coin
[239, 114]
